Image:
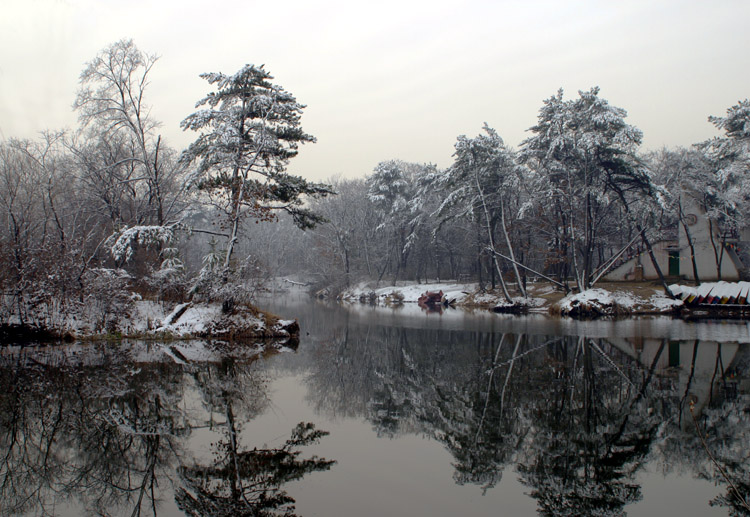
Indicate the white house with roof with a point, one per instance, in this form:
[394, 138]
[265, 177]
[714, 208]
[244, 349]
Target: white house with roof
[711, 249]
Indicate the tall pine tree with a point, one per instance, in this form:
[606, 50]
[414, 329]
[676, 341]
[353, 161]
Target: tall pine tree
[249, 130]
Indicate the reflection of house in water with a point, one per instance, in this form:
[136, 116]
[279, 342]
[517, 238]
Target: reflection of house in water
[701, 367]
[710, 244]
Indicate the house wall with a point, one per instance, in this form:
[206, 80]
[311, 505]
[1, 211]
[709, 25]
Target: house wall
[705, 260]
[629, 271]
[700, 232]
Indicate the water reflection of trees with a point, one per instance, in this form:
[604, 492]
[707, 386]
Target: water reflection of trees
[576, 417]
[95, 428]
[239, 481]
[248, 482]
[591, 431]
[72, 431]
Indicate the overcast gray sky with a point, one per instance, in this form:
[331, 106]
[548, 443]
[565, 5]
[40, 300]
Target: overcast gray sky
[392, 79]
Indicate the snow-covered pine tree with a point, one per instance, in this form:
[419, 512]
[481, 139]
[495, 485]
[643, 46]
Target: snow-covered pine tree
[727, 192]
[389, 189]
[392, 189]
[480, 184]
[249, 129]
[583, 152]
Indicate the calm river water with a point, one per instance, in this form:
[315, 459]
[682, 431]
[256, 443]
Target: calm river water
[426, 415]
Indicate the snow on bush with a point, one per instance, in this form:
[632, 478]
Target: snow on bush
[125, 240]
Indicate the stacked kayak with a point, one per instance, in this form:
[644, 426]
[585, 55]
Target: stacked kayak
[713, 293]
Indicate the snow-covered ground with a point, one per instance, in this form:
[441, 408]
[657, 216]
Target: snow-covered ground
[460, 294]
[603, 302]
[188, 320]
[541, 298]
[410, 293]
[144, 319]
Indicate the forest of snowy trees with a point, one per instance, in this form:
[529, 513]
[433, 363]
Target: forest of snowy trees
[94, 214]
[574, 198]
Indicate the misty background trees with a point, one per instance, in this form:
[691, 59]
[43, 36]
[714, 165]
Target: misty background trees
[86, 212]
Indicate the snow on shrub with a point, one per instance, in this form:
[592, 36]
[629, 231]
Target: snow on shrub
[125, 240]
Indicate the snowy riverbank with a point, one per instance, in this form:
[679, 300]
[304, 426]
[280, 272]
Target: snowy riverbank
[610, 299]
[157, 320]
[407, 293]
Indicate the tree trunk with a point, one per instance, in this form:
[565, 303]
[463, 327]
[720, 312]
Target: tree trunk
[479, 256]
[492, 242]
[718, 250]
[521, 287]
[646, 242]
[691, 245]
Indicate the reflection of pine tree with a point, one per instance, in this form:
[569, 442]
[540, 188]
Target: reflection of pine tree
[483, 444]
[248, 482]
[243, 482]
[592, 433]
